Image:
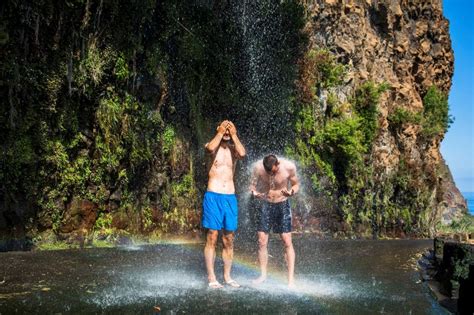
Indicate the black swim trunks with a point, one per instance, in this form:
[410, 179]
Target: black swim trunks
[275, 216]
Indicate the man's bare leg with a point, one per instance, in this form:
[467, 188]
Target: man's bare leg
[289, 257]
[210, 254]
[262, 257]
[227, 253]
[228, 256]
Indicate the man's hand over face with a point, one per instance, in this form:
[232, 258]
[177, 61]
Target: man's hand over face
[231, 127]
[222, 127]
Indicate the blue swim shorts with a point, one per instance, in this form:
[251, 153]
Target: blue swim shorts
[219, 211]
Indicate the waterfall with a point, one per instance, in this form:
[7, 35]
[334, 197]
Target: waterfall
[266, 71]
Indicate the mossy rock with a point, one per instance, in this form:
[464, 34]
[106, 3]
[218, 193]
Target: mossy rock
[438, 244]
[457, 258]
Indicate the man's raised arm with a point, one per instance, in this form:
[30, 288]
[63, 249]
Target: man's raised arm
[239, 148]
[213, 145]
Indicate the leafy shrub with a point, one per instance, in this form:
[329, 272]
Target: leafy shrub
[319, 69]
[168, 139]
[434, 119]
[365, 102]
[463, 225]
[402, 116]
[329, 73]
[436, 113]
[121, 68]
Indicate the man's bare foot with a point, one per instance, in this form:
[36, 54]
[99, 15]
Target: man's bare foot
[259, 280]
[291, 285]
[233, 284]
[215, 285]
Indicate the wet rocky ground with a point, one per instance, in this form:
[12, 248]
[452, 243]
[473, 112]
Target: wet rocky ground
[333, 277]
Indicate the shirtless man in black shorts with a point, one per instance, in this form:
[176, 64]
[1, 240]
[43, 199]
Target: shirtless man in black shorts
[270, 182]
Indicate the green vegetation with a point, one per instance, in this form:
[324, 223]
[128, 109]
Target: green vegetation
[121, 69]
[327, 71]
[436, 113]
[175, 221]
[103, 224]
[179, 216]
[168, 139]
[56, 246]
[461, 266]
[365, 102]
[183, 187]
[111, 102]
[434, 118]
[333, 135]
[318, 70]
[464, 225]
[102, 244]
[80, 121]
[402, 116]
[334, 145]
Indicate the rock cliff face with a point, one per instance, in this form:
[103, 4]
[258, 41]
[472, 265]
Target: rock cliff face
[108, 105]
[407, 45]
[404, 43]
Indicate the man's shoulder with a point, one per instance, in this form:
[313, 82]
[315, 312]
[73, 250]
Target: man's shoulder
[258, 166]
[219, 148]
[288, 164]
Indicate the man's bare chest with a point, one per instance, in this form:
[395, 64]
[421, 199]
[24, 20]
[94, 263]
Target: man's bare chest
[223, 158]
[277, 181]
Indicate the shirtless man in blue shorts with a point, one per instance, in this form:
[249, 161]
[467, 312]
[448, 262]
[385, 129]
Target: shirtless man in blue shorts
[274, 181]
[220, 203]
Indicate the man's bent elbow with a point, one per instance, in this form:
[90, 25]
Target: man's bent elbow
[208, 148]
[242, 154]
[295, 188]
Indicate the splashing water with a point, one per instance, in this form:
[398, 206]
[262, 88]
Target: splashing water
[248, 207]
[331, 277]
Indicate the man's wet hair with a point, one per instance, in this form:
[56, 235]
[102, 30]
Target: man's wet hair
[269, 161]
